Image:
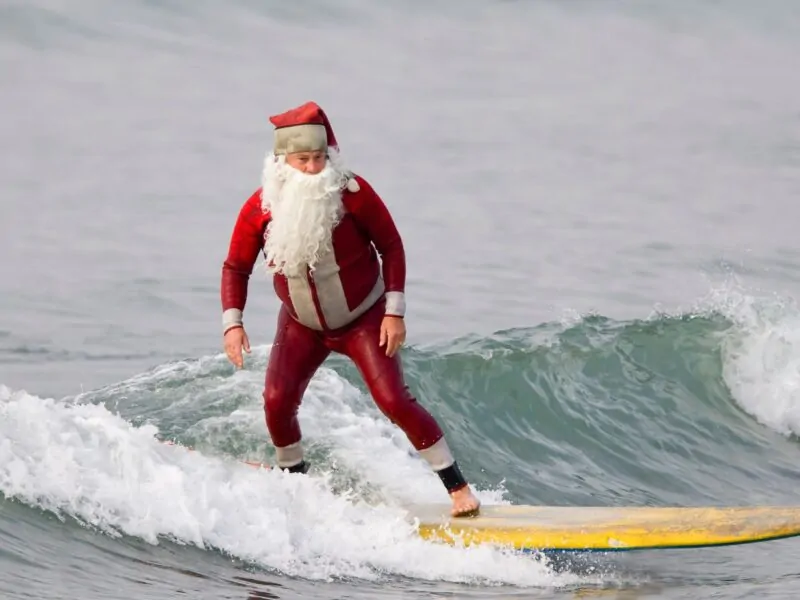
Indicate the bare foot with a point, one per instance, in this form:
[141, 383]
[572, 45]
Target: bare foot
[465, 504]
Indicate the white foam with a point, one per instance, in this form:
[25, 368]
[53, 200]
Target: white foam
[84, 461]
[761, 357]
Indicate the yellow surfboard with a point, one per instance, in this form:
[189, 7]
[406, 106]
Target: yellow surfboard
[548, 528]
[607, 528]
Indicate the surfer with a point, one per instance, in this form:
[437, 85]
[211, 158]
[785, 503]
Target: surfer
[322, 230]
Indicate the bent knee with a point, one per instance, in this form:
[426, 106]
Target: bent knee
[397, 405]
[280, 398]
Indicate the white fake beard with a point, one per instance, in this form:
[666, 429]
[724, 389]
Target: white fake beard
[304, 210]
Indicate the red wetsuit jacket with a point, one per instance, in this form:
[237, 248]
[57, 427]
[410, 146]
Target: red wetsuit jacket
[344, 285]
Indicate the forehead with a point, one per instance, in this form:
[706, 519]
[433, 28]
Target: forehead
[306, 154]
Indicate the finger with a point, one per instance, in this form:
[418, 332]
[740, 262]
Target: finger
[384, 336]
[246, 343]
[401, 339]
[234, 354]
[393, 345]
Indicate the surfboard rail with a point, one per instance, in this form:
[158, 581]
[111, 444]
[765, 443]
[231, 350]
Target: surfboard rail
[578, 528]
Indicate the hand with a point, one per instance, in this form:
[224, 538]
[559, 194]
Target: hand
[393, 334]
[236, 340]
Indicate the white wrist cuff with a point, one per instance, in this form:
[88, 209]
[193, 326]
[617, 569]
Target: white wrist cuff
[231, 318]
[395, 304]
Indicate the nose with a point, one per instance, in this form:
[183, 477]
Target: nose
[315, 165]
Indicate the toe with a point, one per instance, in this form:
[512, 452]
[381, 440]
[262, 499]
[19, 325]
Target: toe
[467, 509]
[467, 512]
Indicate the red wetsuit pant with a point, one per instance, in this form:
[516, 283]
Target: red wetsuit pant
[297, 353]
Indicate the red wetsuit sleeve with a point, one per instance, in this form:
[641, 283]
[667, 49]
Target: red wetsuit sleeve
[372, 214]
[246, 242]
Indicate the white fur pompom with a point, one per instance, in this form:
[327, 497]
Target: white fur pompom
[352, 185]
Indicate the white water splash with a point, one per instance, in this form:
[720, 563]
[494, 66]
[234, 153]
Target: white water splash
[81, 460]
[761, 358]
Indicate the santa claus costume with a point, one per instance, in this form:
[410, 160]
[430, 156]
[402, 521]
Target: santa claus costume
[338, 268]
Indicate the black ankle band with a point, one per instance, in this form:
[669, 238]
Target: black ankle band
[301, 467]
[452, 478]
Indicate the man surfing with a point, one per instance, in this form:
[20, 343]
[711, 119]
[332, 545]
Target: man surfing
[339, 270]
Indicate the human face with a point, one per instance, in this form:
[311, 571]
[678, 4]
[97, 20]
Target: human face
[310, 163]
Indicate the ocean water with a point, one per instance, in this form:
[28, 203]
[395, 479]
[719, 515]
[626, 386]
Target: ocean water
[599, 205]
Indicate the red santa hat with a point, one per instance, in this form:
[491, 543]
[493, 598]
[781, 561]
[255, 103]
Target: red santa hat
[302, 129]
